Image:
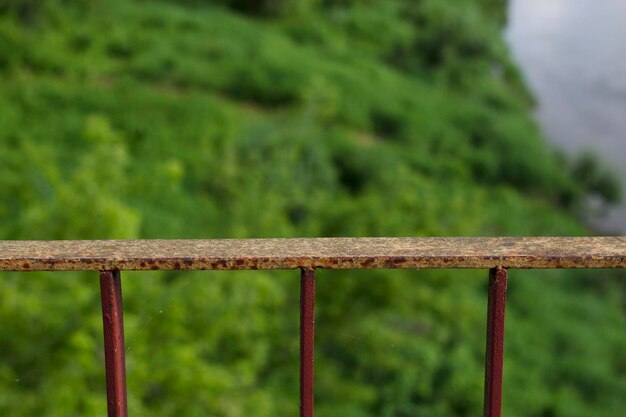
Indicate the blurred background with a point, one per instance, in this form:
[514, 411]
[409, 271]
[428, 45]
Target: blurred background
[572, 54]
[281, 118]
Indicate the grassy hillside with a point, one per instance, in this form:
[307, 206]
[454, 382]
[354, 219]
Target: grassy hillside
[278, 118]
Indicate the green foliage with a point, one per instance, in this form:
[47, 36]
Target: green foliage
[596, 179]
[202, 119]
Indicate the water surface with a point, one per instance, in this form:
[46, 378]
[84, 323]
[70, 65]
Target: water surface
[573, 55]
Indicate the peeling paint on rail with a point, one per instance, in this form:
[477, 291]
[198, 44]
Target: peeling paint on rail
[329, 253]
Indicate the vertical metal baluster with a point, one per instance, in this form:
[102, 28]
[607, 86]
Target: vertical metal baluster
[307, 337]
[113, 323]
[495, 342]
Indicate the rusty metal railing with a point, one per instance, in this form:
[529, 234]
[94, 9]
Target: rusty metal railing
[498, 255]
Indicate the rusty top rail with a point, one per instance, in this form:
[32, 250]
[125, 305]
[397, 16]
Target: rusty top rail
[332, 253]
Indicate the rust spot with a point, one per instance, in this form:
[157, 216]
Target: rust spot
[398, 260]
[219, 264]
[26, 265]
[367, 263]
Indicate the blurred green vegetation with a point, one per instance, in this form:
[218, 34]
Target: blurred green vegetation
[279, 118]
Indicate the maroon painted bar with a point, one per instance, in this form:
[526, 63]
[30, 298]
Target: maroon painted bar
[307, 340]
[114, 357]
[494, 356]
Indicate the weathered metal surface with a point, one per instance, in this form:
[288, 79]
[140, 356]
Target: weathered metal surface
[332, 253]
[307, 341]
[494, 357]
[114, 357]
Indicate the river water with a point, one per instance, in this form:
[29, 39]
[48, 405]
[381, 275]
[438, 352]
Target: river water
[573, 56]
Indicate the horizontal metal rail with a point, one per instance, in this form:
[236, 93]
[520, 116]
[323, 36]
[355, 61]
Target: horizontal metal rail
[496, 254]
[329, 253]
